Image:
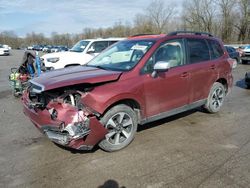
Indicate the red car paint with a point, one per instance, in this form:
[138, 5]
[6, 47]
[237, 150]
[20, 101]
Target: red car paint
[172, 89]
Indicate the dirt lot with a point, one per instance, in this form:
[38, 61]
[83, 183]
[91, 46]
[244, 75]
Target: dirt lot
[193, 149]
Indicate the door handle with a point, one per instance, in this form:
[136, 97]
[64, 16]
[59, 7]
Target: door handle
[184, 74]
[212, 67]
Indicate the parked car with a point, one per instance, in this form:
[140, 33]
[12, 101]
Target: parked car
[30, 48]
[246, 55]
[6, 46]
[4, 50]
[234, 54]
[240, 50]
[247, 79]
[35, 47]
[46, 48]
[81, 53]
[135, 81]
[58, 49]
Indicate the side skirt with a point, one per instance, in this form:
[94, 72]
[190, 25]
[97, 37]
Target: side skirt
[173, 112]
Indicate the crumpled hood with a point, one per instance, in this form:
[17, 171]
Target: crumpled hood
[74, 75]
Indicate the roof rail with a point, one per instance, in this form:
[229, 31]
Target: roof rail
[143, 34]
[189, 32]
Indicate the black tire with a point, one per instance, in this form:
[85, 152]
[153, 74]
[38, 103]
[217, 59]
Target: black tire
[215, 98]
[244, 61]
[121, 121]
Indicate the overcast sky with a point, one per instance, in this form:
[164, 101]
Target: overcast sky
[67, 16]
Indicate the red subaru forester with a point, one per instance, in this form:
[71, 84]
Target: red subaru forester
[135, 81]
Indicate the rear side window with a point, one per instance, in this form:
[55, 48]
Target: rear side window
[112, 42]
[216, 50]
[198, 50]
[98, 47]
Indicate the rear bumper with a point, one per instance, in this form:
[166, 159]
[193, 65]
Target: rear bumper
[64, 130]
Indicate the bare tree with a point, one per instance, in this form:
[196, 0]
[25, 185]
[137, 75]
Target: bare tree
[227, 8]
[242, 22]
[199, 15]
[160, 14]
[142, 24]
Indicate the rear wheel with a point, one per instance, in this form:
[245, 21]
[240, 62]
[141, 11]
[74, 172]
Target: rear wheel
[121, 123]
[215, 98]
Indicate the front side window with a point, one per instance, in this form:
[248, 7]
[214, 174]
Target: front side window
[171, 52]
[98, 47]
[80, 46]
[198, 50]
[122, 56]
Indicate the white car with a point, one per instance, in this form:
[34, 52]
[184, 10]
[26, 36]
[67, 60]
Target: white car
[3, 50]
[6, 46]
[246, 55]
[81, 53]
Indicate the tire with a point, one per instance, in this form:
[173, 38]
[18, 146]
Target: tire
[121, 122]
[215, 98]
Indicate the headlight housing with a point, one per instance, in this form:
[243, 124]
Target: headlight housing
[53, 59]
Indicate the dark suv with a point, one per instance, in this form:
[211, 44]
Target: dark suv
[133, 82]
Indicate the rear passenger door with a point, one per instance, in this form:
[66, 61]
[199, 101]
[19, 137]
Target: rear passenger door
[201, 68]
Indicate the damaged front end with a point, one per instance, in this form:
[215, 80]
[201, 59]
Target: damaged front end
[61, 115]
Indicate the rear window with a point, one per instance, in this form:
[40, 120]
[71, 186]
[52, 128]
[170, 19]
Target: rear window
[216, 50]
[198, 50]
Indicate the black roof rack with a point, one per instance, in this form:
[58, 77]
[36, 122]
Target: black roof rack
[189, 32]
[143, 34]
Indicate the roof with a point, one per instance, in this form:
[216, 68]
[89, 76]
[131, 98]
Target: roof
[104, 39]
[147, 36]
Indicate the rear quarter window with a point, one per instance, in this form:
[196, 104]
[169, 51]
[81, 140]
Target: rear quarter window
[216, 49]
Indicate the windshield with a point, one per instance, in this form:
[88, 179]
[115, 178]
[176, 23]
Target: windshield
[80, 46]
[122, 56]
[247, 47]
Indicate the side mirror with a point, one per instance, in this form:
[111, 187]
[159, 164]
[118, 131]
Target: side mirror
[160, 66]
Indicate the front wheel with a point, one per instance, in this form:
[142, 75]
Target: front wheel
[121, 122]
[215, 98]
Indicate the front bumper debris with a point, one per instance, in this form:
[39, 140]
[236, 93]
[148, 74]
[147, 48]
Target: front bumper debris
[65, 124]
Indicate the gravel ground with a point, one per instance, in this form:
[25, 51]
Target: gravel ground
[193, 149]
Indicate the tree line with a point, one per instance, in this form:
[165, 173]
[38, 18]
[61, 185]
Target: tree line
[227, 19]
